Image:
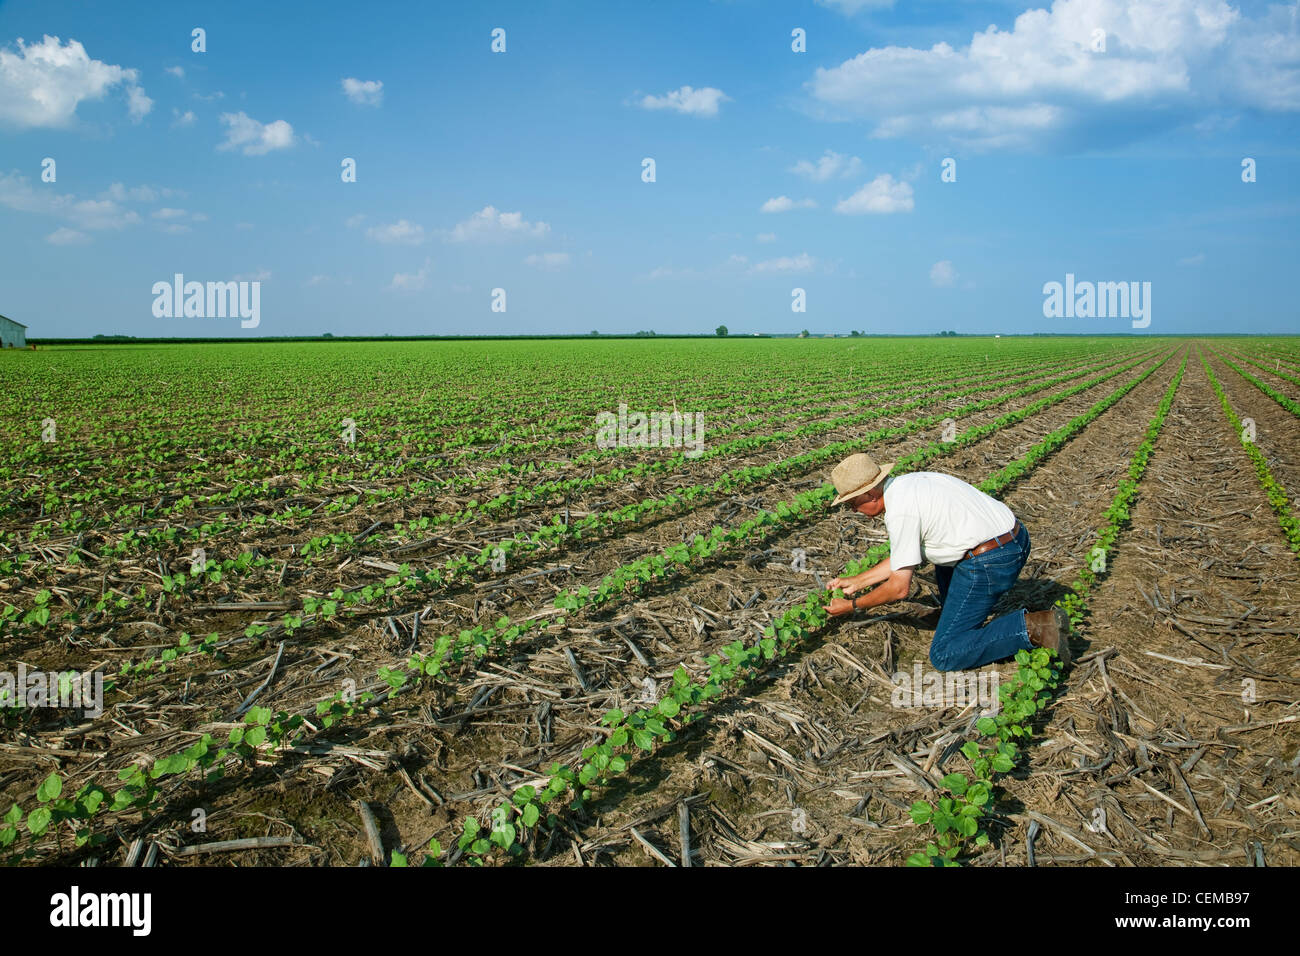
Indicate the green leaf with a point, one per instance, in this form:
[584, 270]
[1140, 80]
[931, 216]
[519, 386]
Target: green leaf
[956, 782]
[669, 707]
[643, 739]
[50, 788]
[921, 812]
[38, 820]
[530, 815]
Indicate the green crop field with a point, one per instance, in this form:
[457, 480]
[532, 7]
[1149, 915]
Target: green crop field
[561, 602]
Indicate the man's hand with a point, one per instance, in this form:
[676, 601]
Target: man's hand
[839, 607]
[894, 588]
[847, 585]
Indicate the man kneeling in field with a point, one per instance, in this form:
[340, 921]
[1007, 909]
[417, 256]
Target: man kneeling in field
[977, 547]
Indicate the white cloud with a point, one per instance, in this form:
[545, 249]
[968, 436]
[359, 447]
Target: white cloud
[942, 273]
[169, 213]
[90, 215]
[766, 237]
[882, 195]
[256, 138]
[800, 263]
[491, 225]
[785, 204]
[1041, 83]
[693, 102]
[182, 119]
[174, 228]
[738, 264]
[176, 71]
[63, 236]
[317, 280]
[43, 84]
[138, 105]
[411, 281]
[258, 275]
[403, 232]
[1195, 260]
[829, 166]
[548, 260]
[119, 193]
[354, 221]
[364, 92]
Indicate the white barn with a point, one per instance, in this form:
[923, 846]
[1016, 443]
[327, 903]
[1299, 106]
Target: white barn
[13, 335]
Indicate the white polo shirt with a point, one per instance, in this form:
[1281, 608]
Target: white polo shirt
[938, 518]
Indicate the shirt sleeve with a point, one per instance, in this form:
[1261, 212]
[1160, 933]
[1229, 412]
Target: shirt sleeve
[904, 540]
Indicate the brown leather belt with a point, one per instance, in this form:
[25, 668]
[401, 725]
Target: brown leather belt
[992, 543]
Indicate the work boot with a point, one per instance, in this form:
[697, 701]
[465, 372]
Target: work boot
[1050, 629]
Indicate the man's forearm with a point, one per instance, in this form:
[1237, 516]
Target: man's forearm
[884, 594]
[873, 576]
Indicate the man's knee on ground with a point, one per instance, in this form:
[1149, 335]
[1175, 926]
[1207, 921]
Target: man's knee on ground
[941, 656]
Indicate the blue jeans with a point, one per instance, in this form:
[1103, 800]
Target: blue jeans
[968, 590]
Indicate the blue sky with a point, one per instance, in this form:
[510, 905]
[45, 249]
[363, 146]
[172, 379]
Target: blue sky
[775, 170]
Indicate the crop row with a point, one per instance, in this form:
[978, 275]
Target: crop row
[1276, 370]
[631, 577]
[736, 663]
[1291, 406]
[143, 445]
[243, 491]
[246, 491]
[280, 727]
[553, 534]
[1277, 496]
[956, 818]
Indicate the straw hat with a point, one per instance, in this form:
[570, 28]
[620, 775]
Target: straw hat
[857, 475]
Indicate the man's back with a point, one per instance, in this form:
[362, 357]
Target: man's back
[936, 517]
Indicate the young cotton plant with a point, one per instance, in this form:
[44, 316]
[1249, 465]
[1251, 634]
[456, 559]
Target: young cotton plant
[956, 818]
[261, 728]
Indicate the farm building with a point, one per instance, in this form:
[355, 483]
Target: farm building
[12, 334]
